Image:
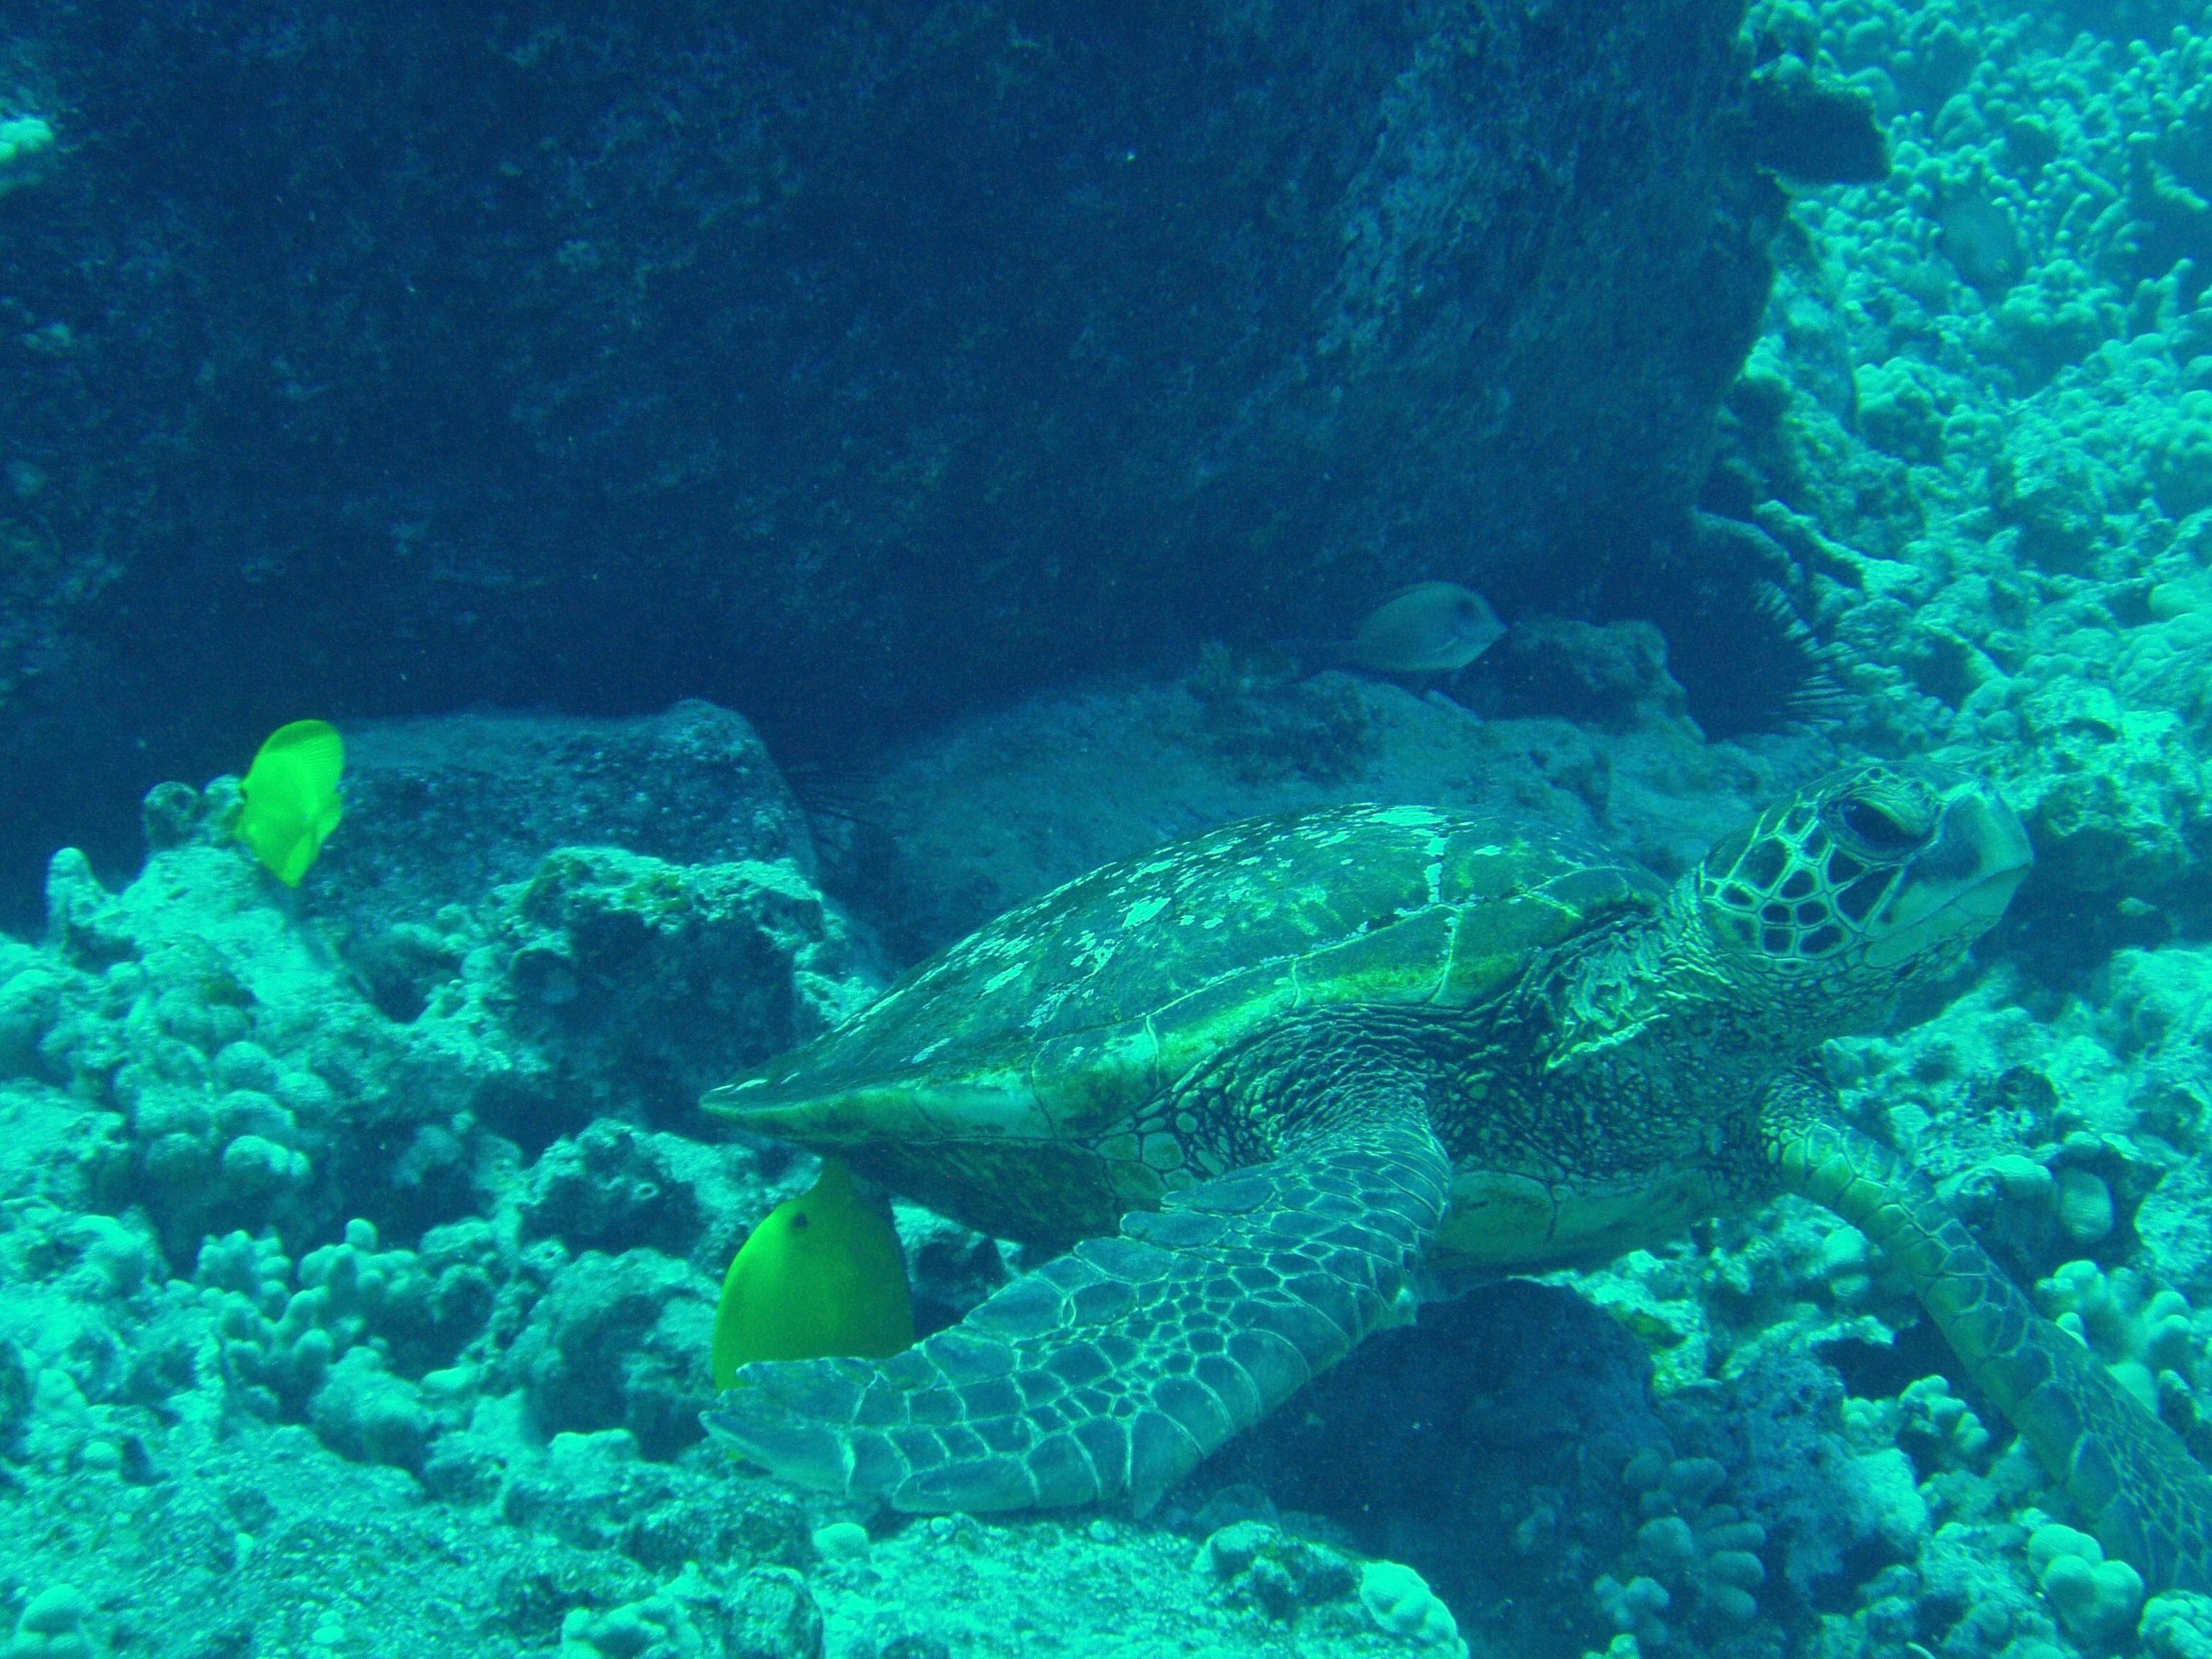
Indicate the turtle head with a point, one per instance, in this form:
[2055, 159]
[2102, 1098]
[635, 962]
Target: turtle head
[1863, 880]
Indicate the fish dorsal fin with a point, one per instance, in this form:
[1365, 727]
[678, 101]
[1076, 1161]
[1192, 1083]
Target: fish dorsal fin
[314, 749]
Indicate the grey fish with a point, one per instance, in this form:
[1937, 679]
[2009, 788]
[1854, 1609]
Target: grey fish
[1430, 627]
[1983, 242]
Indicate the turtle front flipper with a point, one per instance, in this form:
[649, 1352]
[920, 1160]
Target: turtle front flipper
[1118, 1366]
[2149, 1502]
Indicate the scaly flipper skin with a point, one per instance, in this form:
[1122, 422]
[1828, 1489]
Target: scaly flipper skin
[2132, 1481]
[1118, 1366]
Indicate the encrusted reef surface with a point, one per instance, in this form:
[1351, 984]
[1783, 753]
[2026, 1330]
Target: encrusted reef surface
[358, 1246]
[358, 1266]
[356, 1274]
[843, 364]
[1981, 421]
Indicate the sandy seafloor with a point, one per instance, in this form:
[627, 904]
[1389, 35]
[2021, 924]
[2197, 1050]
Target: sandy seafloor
[357, 1250]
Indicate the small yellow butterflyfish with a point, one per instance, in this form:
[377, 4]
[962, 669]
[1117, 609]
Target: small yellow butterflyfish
[822, 1277]
[291, 793]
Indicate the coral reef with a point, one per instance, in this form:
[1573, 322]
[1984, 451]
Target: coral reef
[359, 1246]
[1977, 420]
[449, 1260]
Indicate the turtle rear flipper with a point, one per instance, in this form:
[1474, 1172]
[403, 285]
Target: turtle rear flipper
[1118, 1366]
[2146, 1500]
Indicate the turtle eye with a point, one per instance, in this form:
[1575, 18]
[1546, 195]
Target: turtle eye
[1876, 830]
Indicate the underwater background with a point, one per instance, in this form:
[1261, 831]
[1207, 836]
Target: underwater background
[763, 489]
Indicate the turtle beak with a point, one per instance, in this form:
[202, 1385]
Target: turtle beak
[1959, 885]
[2004, 855]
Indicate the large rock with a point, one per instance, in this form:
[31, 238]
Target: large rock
[844, 365]
[441, 811]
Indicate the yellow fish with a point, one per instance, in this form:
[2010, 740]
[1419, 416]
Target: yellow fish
[822, 1277]
[291, 794]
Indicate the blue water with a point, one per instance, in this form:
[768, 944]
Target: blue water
[763, 492]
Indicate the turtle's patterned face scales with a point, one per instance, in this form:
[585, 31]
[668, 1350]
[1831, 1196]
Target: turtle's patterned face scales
[1884, 873]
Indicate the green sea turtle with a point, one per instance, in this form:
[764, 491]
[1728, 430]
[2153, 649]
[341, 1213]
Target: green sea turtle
[1257, 1079]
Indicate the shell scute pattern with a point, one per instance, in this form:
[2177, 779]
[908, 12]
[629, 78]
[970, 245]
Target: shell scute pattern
[1064, 1018]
